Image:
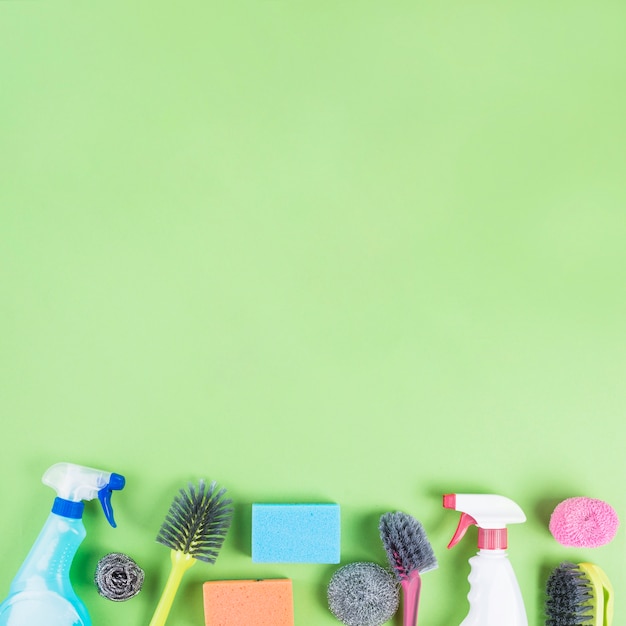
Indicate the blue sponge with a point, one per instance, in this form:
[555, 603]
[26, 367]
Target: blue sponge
[296, 533]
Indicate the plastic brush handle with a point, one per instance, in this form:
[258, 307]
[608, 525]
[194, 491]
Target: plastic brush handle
[411, 587]
[602, 593]
[181, 562]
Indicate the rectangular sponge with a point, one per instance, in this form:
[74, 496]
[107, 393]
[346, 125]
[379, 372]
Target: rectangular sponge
[248, 602]
[295, 533]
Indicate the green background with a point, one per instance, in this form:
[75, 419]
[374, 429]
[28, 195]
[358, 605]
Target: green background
[352, 252]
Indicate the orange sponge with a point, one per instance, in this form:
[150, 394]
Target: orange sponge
[248, 602]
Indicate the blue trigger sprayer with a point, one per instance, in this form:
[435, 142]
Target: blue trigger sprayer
[41, 592]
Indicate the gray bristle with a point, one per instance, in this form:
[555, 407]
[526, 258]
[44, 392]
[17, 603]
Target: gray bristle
[363, 594]
[406, 544]
[197, 522]
[568, 590]
[118, 577]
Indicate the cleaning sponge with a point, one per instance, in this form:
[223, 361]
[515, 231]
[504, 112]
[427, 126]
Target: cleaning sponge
[583, 522]
[248, 602]
[295, 533]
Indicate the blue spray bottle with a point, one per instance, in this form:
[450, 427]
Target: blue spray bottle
[41, 592]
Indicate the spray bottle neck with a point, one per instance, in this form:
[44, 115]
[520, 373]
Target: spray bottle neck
[68, 508]
[492, 538]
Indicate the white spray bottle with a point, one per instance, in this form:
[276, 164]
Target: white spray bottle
[495, 597]
[41, 592]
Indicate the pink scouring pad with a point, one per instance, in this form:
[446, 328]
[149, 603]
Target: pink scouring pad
[583, 523]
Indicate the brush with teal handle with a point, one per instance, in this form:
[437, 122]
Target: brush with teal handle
[194, 530]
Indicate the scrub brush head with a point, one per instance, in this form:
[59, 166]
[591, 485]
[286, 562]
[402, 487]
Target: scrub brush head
[194, 529]
[197, 521]
[406, 544]
[578, 595]
[568, 594]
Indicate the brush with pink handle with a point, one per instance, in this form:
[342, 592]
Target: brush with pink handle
[410, 555]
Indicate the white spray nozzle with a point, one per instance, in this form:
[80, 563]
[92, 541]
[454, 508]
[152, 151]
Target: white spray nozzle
[491, 513]
[76, 483]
